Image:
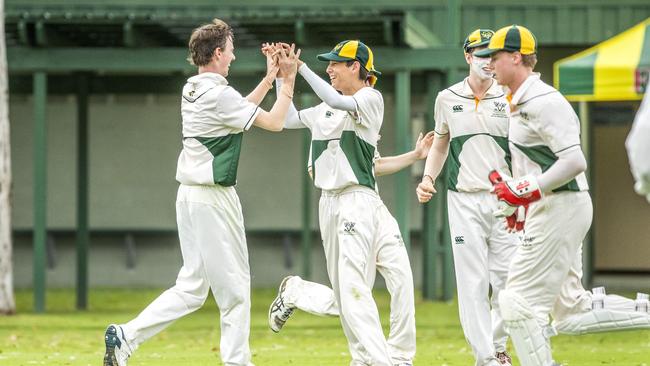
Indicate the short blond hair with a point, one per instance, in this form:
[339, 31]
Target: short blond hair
[207, 38]
[529, 60]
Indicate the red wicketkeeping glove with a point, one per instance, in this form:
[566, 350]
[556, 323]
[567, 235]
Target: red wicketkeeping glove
[516, 192]
[516, 221]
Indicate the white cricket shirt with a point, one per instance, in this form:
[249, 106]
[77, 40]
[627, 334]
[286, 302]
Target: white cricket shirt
[214, 118]
[542, 125]
[344, 143]
[478, 131]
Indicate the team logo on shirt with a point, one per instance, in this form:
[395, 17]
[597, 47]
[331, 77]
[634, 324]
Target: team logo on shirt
[348, 227]
[460, 239]
[192, 92]
[328, 114]
[399, 239]
[457, 108]
[527, 241]
[524, 115]
[499, 110]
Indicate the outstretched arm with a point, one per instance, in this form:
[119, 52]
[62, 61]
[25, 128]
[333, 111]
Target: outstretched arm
[638, 148]
[326, 92]
[392, 164]
[293, 119]
[273, 120]
[258, 94]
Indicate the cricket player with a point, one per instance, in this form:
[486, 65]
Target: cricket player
[638, 147]
[549, 182]
[472, 124]
[208, 211]
[312, 297]
[355, 225]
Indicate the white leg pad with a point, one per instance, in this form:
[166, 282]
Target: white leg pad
[532, 347]
[603, 320]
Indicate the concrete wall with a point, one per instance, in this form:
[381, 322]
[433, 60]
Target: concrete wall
[134, 144]
[157, 260]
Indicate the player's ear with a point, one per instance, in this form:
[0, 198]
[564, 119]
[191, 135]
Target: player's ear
[468, 57]
[217, 53]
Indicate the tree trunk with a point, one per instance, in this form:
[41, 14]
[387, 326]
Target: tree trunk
[7, 303]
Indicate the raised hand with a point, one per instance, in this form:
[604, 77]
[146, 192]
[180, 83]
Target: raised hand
[269, 50]
[423, 144]
[288, 61]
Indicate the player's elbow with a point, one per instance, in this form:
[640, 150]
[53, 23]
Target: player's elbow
[579, 163]
[276, 126]
[269, 121]
[573, 161]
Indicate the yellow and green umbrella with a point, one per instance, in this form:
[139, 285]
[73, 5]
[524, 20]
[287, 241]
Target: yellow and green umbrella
[616, 69]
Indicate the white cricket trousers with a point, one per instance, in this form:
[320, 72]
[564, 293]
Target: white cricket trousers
[355, 224]
[215, 256]
[393, 264]
[547, 260]
[482, 250]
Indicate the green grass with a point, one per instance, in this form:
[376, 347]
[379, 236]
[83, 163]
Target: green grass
[64, 336]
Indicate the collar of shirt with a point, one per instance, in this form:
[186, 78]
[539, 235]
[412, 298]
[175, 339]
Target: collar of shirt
[493, 90]
[530, 80]
[212, 76]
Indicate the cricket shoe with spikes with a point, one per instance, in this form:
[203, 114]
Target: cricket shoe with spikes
[118, 350]
[279, 311]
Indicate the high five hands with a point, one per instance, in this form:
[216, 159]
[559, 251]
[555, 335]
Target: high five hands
[282, 59]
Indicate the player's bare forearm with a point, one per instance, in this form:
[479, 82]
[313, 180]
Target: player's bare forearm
[258, 94]
[392, 164]
[274, 119]
[437, 156]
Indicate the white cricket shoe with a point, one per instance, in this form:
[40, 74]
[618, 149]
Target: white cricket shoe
[118, 350]
[279, 312]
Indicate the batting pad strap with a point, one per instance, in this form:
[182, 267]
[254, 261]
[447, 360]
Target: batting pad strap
[532, 347]
[603, 320]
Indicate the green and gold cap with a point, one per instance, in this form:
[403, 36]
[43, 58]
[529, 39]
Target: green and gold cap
[479, 37]
[350, 51]
[513, 38]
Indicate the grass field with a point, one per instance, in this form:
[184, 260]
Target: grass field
[64, 336]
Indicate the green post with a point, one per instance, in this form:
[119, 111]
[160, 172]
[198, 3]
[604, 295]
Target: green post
[403, 137]
[588, 245]
[40, 189]
[448, 276]
[431, 215]
[453, 22]
[82, 192]
[306, 101]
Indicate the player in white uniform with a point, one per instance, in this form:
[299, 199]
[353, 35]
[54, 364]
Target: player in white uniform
[317, 299]
[548, 178]
[355, 225]
[208, 212]
[638, 147]
[472, 124]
